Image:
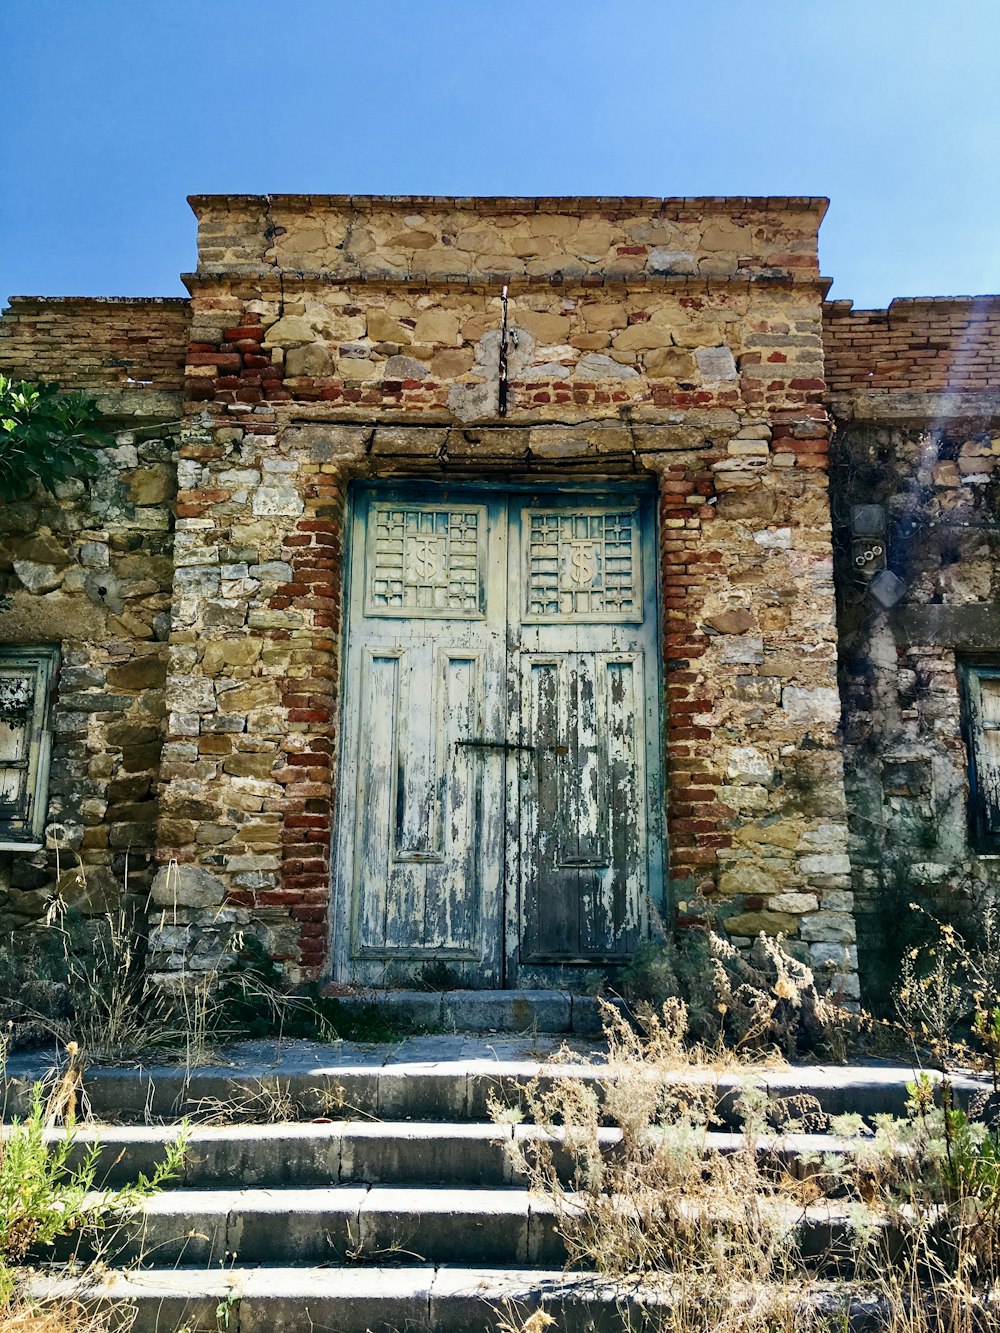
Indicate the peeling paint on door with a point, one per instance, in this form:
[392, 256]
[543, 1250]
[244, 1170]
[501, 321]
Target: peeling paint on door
[500, 793]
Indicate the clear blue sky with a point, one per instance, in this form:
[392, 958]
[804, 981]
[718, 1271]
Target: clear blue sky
[115, 110]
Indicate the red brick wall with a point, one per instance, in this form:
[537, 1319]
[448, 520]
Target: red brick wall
[918, 345]
[96, 343]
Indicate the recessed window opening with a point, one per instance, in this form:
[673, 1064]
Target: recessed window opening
[27, 677]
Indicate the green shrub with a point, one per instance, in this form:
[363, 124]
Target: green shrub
[45, 437]
[46, 1193]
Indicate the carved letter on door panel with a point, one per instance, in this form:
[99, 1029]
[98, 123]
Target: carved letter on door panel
[426, 561]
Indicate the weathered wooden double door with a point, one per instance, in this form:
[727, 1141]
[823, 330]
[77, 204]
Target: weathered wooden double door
[500, 806]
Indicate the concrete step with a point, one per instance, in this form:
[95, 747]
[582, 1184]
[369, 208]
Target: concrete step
[417, 1299]
[345, 1223]
[382, 1224]
[437, 1079]
[303, 1155]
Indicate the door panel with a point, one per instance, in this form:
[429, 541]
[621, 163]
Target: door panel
[417, 857]
[526, 624]
[582, 645]
[583, 825]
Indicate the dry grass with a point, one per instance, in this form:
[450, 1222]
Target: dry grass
[711, 1241]
[64, 1316]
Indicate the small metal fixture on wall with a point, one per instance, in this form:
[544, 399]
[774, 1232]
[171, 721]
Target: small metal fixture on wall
[869, 553]
[868, 539]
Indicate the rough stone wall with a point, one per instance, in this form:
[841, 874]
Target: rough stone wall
[932, 460]
[681, 337]
[90, 569]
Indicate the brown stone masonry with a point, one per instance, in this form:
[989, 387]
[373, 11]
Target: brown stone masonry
[678, 337]
[195, 587]
[90, 570]
[915, 395]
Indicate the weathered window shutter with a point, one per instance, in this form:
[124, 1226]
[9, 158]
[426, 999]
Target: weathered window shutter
[27, 676]
[981, 696]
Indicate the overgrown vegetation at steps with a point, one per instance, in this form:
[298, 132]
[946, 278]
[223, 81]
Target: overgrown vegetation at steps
[708, 1235]
[306, 1013]
[758, 1003]
[46, 437]
[50, 1192]
[84, 978]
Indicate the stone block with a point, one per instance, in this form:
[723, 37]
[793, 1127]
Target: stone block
[546, 328]
[747, 764]
[715, 363]
[752, 924]
[405, 368]
[843, 957]
[736, 620]
[838, 900]
[828, 928]
[663, 261]
[37, 577]
[798, 903]
[594, 366]
[141, 673]
[506, 1011]
[314, 360]
[747, 876]
[825, 864]
[746, 649]
[273, 502]
[186, 886]
[153, 485]
[818, 705]
[674, 363]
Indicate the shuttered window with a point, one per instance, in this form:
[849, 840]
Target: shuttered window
[27, 677]
[981, 715]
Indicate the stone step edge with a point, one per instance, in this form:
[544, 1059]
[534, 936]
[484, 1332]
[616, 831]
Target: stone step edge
[459, 1090]
[447, 1299]
[327, 1149]
[504, 1225]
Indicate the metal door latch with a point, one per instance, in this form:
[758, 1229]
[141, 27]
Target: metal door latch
[506, 746]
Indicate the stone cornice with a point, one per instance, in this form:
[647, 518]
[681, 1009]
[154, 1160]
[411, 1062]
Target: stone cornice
[280, 279]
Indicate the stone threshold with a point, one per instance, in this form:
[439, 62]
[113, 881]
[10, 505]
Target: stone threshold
[521, 1011]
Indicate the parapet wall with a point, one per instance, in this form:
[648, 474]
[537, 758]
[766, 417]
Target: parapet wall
[97, 343]
[939, 344]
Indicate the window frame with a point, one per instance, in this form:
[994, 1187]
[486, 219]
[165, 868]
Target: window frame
[27, 833]
[971, 671]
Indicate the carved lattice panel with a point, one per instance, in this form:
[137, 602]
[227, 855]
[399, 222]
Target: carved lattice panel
[583, 565]
[426, 560]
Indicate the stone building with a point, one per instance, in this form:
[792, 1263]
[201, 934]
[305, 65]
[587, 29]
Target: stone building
[485, 583]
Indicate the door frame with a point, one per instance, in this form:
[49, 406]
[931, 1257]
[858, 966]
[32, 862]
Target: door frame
[642, 486]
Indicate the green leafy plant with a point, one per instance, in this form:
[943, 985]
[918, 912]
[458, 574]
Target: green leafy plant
[46, 437]
[47, 1191]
